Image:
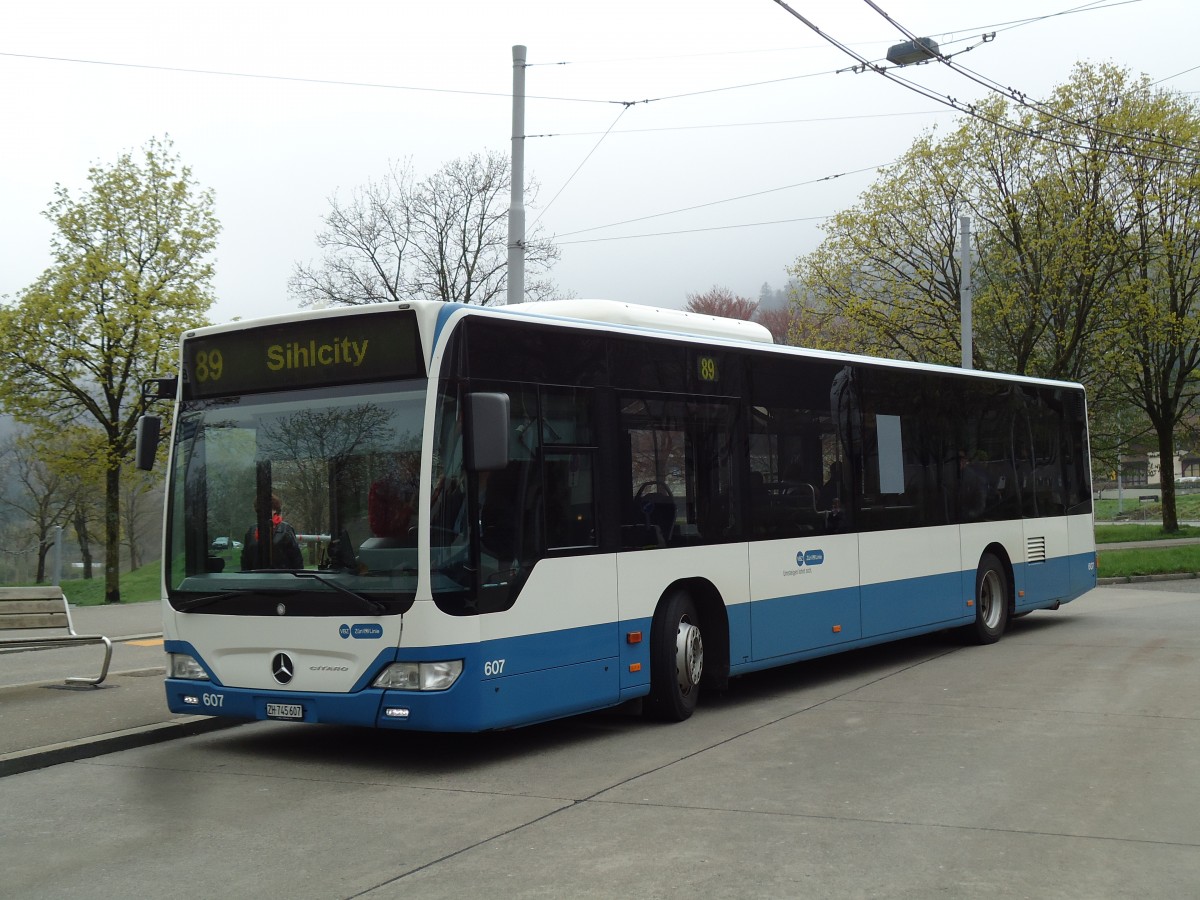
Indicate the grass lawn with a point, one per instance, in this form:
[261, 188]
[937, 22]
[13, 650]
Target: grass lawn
[1150, 561]
[138, 586]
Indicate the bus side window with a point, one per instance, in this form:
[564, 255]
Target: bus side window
[680, 470]
[568, 456]
[790, 450]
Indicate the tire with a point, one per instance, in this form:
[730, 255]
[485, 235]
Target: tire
[992, 597]
[676, 659]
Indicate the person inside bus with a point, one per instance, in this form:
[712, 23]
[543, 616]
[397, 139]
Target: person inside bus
[283, 549]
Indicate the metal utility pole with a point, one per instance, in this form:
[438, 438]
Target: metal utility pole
[516, 208]
[964, 224]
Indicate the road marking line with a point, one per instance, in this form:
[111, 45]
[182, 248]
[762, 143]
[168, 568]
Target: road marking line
[157, 642]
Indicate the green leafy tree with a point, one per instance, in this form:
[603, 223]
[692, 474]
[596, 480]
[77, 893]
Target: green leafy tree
[1046, 197]
[1084, 210]
[131, 272]
[1040, 195]
[1092, 272]
[1155, 333]
[888, 268]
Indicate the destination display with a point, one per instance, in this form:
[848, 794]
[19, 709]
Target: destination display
[341, 350]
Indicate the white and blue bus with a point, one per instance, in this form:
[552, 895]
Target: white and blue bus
[508, 515]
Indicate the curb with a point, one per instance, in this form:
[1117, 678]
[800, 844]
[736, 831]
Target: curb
[73, 751]
[1143, 579]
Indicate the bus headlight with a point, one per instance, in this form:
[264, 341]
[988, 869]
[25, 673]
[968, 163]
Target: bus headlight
[180, 665]
[426, 676]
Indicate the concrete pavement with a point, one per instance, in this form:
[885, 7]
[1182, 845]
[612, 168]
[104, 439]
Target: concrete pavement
[1060, 763]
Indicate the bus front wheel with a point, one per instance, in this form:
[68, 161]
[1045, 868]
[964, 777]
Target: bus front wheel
[992, 595]
[676, 659]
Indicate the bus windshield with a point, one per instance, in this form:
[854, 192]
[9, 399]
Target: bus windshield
[311, 492]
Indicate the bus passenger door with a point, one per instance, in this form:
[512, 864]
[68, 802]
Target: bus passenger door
[803, 554]
[551, 648]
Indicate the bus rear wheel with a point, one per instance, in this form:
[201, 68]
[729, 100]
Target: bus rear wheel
[992, 595]
[676, 659]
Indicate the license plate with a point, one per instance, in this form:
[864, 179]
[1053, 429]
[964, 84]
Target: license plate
[285, 711]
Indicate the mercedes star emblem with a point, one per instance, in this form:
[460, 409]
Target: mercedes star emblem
[282, 668]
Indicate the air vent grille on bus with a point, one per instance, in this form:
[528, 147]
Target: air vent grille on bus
[1035, 550]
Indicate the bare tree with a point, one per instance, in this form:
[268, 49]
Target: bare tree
[41, 495]
[75, 454]
[444, 238]
[141, 508]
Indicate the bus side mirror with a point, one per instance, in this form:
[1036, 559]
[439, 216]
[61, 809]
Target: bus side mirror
[159, 389]
[146, 447]
[487, 432]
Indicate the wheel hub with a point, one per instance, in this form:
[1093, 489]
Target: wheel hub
[990, 599]
[689, 656]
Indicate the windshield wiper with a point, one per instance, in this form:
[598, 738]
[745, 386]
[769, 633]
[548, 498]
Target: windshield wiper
[189, 605]
[373, 606]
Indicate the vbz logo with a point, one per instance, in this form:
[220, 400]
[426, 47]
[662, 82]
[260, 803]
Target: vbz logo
[810, 557]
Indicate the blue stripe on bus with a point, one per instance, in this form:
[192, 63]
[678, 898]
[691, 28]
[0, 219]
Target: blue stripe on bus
[783, 625]
[1042, 582]
[634, 656]
[1059, 579]
[538, 677]
[361, 708]
[444, 313]
[932, 600]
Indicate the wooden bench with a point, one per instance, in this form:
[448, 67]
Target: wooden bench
[25, 609]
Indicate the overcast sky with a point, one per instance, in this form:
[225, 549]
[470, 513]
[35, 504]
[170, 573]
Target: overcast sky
[276, 106]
